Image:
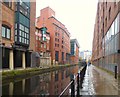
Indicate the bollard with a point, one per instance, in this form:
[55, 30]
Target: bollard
[78, 85]
[72, 86]
[115, 72]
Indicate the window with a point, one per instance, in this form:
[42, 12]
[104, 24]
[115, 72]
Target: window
[44, 45]
[106, 4]
[41, 45]
[56, 56]
[109, 12]
[106, 21]
[15, 38]
[8, 3]
[3, 31]
[62, 55]
[6, 32]
[24, 8]
[56, 34]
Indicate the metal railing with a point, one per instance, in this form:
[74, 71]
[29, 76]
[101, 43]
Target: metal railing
[75, 80]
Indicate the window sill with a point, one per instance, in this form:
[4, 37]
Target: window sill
[6, 38]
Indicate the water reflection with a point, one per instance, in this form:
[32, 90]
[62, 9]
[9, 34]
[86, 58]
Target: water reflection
[51, 83]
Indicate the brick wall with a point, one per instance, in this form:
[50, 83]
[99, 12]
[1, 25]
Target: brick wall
[8, 19]
[32, 25]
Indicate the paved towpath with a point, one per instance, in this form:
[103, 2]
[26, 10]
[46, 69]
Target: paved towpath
[99, 82]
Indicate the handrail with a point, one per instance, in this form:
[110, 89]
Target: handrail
[65, 89]
[72, 81]
[67, 86]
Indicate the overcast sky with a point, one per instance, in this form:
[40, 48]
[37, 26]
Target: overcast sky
[77, 15]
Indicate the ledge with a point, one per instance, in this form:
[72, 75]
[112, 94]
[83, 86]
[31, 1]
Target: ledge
[28, 72]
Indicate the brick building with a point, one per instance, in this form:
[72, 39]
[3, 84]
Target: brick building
[18, 27]
[74, 51]
[60, 37]
[42, 41]
[106, 41]
[42, 46]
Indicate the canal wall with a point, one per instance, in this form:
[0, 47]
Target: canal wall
[20, 74]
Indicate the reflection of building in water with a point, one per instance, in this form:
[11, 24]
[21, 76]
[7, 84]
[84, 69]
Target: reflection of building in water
[52, 83]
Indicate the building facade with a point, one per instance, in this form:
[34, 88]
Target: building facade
[106, 41]
[18, 27]
[60, 37]
[42, 41]
[42, 47]
[74, 57]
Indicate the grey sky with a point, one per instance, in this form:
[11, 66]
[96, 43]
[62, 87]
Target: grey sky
[77, 15]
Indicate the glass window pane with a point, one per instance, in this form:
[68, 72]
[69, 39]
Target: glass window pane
[8, 33]
[118, 22]
[22, 40]
[116, 26]
[25, 35]
[24, 20]
[19, 39]
[112, 29]
[3, 31]
[16, 26]
[26, 30]
[15, 38]
[21, 27]
[20, 33]
[27, 42]
[15, 32]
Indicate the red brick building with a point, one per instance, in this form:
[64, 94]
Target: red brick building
[106, 41]
[74, 58]
[59, 36]
[42, 41]
[17, 35]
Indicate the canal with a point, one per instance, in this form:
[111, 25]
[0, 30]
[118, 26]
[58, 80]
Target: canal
[50, 83]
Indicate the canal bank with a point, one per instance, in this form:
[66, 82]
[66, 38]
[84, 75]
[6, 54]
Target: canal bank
[19, 74]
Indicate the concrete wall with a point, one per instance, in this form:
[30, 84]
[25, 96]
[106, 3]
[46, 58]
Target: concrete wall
[45, 62]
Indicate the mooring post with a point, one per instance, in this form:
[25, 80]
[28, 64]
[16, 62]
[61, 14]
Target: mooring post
[115, 72]
[78, 84]
[72, 86]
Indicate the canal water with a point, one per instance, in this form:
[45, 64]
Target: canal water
[51, 83]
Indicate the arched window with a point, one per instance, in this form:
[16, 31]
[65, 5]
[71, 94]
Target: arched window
[6, 32]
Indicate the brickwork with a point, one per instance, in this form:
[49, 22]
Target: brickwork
[32, 26]
[8, 19]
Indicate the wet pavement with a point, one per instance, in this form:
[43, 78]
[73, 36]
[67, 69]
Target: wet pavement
[98, 82]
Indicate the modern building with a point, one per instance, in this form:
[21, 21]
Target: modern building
[59, 36]
[17, 35]
[42, 46]
[74, 57]
[106, 41]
